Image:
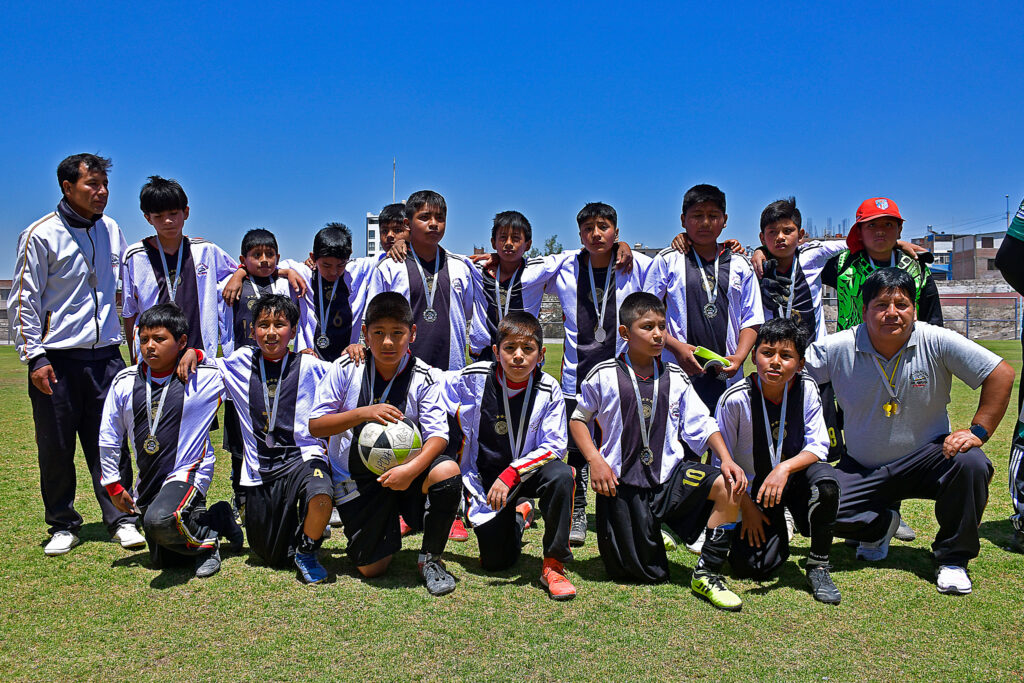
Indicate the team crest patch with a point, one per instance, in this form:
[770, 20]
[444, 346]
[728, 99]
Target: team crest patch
[674, 412]
[458, 286]
[115, 260]
[201, 269]
[919, 379]
[882, 204]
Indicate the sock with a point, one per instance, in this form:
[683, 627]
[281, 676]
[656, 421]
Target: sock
[307, 545]
[442, 504]
[221, 519]
[821, 515]
[713, 555]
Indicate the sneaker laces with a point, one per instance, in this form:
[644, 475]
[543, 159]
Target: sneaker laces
[715, 580]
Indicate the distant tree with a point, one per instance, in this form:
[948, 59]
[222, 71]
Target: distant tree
[552, 246]
[533, 253]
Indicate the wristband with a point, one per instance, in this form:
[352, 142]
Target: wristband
[979, 432]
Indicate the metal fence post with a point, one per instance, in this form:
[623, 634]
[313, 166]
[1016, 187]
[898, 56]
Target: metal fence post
[967, 318]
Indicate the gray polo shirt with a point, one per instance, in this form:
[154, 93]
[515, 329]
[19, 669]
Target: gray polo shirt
[930, 358]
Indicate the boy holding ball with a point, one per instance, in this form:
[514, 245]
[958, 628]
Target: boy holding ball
[426, 488]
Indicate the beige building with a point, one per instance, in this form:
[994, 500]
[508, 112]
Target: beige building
[974, 256]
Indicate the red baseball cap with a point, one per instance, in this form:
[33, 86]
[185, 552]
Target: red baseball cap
[870, 209]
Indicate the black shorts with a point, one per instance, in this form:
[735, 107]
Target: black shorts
[758, 563]
[629, 523]
[370, 520]
[275, 510]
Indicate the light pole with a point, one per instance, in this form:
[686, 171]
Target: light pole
[1007, 212]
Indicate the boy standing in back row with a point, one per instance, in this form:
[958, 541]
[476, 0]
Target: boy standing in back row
[712, 297]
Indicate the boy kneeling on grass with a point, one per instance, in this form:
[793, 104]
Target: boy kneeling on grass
[646, 410]
[513, 448]
[772, 424]
[425, 490]
[285, 477]
[168, 425]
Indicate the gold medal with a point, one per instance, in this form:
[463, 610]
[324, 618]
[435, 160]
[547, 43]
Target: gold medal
[151, 445]
[647, 408]
[501, 427]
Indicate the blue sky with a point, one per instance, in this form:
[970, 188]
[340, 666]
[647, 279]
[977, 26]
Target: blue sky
[283, 118]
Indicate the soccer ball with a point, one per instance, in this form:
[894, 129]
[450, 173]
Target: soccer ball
[385, 446]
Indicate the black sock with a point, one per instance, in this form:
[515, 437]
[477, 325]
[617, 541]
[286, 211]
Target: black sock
[821, 515]
[715, 552]
[442, 505]
[221, 519]
[307, 545]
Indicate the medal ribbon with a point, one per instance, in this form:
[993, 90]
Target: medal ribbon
[776, 451]
[517, 443]
[645, 427]
[373, 378]
[712, 292]
[890, 382]
[323, 311]
[172, 286]
[154, 420]
[503, 311]
[593, 290]
[272, 420]
[428, 291]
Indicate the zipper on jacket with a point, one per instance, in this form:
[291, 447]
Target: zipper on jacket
[95, 296]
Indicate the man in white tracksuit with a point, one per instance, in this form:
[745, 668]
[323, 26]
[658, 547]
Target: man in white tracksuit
[64, 312]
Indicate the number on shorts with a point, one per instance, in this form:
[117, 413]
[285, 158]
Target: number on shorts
[318, 473]
[694, 477]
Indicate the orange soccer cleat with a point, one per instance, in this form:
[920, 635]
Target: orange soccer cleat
[458, 532]
[552, 577]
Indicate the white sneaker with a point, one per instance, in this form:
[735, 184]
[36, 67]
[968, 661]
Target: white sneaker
[879, 550]
[335, 517]
[790, 523]
[60, 543]
[953, 580]
[697, 545]
[129, 537]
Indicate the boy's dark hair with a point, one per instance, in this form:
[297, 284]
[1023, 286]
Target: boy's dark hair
[162, 194]
[391, 214]
[636, 305]
[71, 168]
[779, 330]
[388, 306]
[512, 220]
[272, 304]
[169, 316]
[333, 241]
[781, 210]
[597, 210]
[417, 200]
[258, 237]
[522, 324]
[887, 279]
[698, 194]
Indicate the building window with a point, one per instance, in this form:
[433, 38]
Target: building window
[986, 243]
[371, 235]
[991, 264]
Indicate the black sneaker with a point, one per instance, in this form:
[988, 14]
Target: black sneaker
[208, 563]
[904, 532]
[439, 581]
[1017, 542]
[578, 530]
[822, 587]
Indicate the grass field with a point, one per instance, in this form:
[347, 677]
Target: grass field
[102, 612]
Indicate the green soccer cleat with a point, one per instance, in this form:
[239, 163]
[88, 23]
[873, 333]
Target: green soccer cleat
[712, 588]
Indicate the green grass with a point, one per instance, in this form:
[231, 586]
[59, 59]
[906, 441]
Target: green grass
[101, 612]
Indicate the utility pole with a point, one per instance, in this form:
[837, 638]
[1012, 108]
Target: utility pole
[1007, 212]
[394, 176]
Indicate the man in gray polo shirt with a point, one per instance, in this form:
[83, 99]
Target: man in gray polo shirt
[892, 378]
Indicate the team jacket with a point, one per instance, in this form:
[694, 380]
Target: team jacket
[236, 320]
[292, 440]
[607, 395]
[474, 396]
[741, 421]
[345, 312]
[571, 283]
[442, 343]
[185, 453]
[807, 268]
[52, 304]
[203, 266]
[525, 289]
[674, 277]
[347, 386]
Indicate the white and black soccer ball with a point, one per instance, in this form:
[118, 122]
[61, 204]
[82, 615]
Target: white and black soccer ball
[385, 446]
